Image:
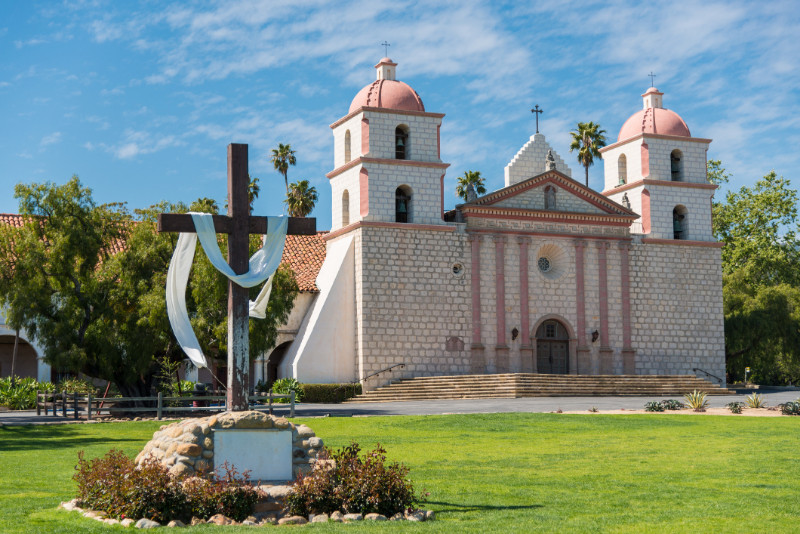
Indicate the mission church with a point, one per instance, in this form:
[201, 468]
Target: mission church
[542, 276]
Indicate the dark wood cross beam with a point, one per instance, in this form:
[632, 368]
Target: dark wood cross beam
[238, 224]
[536, 111]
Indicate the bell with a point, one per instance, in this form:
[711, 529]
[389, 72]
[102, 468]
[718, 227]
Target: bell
[400, 142]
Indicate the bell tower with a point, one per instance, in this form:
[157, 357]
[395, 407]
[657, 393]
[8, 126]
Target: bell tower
[658, 169]
[387, 164]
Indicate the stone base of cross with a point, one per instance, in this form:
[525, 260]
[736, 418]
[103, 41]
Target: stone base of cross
[238, 224]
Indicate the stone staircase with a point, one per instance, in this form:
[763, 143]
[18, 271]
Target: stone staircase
[516, 385]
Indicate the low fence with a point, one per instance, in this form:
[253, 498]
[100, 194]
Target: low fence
[78, 404]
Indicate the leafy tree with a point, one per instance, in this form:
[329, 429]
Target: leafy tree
[587, 139]
[301, 199]
[282, 157]
[87, 282]
[758, 226]
[761, 271]
[470, 177]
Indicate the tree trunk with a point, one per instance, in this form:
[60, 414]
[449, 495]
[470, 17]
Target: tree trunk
[14, 355]
[587, 175]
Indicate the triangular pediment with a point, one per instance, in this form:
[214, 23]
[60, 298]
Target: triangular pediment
[565, 195]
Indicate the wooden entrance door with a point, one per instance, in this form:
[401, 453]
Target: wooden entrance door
[552, 348]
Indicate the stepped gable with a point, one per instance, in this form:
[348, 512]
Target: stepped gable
[527, 198]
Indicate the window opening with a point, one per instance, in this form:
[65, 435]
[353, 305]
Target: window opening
[347, 146]
[622, 169]
[400, 143]
[676, 165]
[550, 198]
[402, 205]
[345, 208]
[679, 222]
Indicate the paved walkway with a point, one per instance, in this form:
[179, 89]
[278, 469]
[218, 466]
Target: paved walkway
[527, 405]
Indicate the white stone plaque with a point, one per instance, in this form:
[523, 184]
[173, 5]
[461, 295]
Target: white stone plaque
[266, 453]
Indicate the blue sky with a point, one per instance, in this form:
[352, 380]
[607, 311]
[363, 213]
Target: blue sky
[140, 99]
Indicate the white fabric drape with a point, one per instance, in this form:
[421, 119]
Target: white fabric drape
[262, 266]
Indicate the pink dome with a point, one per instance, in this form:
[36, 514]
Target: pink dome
[654, 121]
[388, 94]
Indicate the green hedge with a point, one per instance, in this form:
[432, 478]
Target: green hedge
[329, 393]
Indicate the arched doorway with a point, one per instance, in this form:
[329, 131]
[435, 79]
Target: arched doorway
[26, 364]
[274, 361]
[552, 348]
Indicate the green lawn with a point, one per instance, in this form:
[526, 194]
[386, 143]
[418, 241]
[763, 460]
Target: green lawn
[494, 473]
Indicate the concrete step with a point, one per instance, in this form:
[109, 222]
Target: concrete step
[516, 385]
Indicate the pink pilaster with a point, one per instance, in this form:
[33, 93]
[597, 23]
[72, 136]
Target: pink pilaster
[606, 353]
[364, 136]
[363, 193]
[525, 350]
[501, 349]
[584, 364]
[477, 356]
[628, 353]
[645, 160]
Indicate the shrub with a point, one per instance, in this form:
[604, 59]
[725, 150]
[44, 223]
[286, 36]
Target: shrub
[654, 406]
[696, 400]
[330, 393]
[735, 407]
[754, 400]
[76, 385]
[284, 385]
[228, 494]
[353, 484]
[115, 485]
[20, 393]
[791, 408]
[672, 404]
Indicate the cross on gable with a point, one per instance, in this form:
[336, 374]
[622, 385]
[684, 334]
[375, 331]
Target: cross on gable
[238, 224]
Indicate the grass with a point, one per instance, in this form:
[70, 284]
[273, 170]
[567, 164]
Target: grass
[493, 472]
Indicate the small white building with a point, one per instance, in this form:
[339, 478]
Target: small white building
[544, 275]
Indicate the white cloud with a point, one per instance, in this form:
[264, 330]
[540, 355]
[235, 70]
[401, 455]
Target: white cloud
[53, 138]
[140, 142]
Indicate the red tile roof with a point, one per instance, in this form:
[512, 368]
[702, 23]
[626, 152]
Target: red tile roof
[304, 254]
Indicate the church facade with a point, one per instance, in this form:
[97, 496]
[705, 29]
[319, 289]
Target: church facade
[542, 276]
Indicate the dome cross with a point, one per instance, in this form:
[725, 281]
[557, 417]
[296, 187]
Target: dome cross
[652, 79]
[386, 46]
[536, 111]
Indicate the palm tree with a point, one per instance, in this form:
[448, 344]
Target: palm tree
[282, 157]
[301, 199]
[587, 139]
[470, 177]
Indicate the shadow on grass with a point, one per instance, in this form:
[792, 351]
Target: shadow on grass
[23, 438]
[452, 507]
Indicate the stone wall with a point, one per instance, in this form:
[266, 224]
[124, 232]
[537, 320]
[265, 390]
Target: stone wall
[187, 447]
[534, 199]
[422, 137]
[676, 293]
[409, 303]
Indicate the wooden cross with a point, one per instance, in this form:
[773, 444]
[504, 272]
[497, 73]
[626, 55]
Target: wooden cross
[238, 224]
[536, 111]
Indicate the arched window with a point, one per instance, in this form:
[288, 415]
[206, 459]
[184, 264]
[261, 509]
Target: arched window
[622, 169]
[549, 197]
[402, 204]
[347, 146]
[345, 208]
[680, 222]
[676, 165]
[401, 142]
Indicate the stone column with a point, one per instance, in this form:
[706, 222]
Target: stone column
[584, 364]
[477, 364]
[525, 349]
[606, 352]
[501, 349]
[628, 352]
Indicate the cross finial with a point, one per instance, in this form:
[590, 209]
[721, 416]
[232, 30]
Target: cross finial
[652, 78]
[385, 46]
[536, 111]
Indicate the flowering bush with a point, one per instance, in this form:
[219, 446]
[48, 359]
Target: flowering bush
[353, 484]
[115, 485]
